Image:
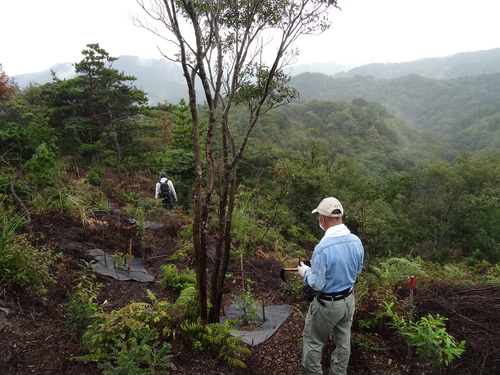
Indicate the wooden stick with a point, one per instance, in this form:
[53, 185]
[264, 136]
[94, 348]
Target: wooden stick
[242, 275]
[129, 255]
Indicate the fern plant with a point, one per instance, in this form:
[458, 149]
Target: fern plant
[157, 321]
[217, 338]
[178, 279]
[138, 358]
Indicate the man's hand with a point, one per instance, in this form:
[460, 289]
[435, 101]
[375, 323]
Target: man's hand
[302, 268]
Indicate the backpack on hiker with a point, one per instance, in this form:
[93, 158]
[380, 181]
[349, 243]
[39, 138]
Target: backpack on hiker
[164, 190]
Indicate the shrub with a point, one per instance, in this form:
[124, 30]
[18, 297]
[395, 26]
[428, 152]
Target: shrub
[251, 233]
[82, 304]
[94, 178]
[41, 168]
[250, 308]
[138, 358]
[140, 326]
[394, 270]
[22, 264]
[138, 321]
[428, 335]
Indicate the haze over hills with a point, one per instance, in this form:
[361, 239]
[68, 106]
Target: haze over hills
[454, 66]
[163, 80]
[457, 96]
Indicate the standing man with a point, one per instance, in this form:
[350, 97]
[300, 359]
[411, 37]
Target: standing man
[336, 261]
[166, 191]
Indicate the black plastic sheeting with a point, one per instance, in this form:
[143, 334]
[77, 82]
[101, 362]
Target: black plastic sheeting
[105, 265]
[274, 317]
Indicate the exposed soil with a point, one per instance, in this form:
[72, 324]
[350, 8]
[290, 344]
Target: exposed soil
[35, 340]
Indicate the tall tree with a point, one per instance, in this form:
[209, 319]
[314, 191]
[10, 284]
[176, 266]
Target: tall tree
[221, 45]
[107, 95]
[92, 104]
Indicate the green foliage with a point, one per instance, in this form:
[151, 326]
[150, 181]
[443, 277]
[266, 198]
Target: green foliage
[137, 210]
[120, 259]
[142, 327]
[94, 178]
[82, 300]
[182, 127]
[64, 201]
[20, 186]
[393, 271]
[464, 110]
[251, 91]
[217, 338]
[12, 224]
[139, 321]
[40, 169]
[458, 204]
[185, 247]
[375, 319]
[428, 335]
[115, 191]
[293, 289]
[253, 230]
[178, 279]
[429, 208]
[250, 307]
[21, 263]
[138, 358]
[468, 272]
[91, 106]
[24, 265]
[372, 343]
[23, 128]
[183, 251]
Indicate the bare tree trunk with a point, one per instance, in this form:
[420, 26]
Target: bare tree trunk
[222, 49]
[223, 247]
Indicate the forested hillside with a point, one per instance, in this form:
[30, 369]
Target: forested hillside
[465, 64]
[466, 111]
[362, 131]
[456, 96]
[430, 94]
[79, 162]
[356, 148]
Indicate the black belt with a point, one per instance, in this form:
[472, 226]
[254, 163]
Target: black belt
[335, 296]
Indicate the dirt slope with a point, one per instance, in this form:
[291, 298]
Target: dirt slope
[35, 340]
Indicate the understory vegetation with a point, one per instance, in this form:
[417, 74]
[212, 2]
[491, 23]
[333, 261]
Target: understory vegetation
[421, 208]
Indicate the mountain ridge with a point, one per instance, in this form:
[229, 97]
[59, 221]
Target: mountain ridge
[162, 80]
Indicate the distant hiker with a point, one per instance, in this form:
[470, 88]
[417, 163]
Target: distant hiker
[335, 263]
[166, 192]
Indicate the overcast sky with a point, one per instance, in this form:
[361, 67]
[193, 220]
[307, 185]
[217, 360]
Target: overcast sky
[36, 35]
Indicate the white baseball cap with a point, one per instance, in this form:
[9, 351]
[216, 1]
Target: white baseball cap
[327, 206]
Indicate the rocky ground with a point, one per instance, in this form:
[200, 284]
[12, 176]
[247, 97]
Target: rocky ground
[35, 340]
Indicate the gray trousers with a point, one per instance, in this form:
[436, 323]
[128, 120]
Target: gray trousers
[335, 316]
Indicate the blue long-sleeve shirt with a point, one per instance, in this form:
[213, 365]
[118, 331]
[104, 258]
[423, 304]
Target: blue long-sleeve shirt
[336, 261]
